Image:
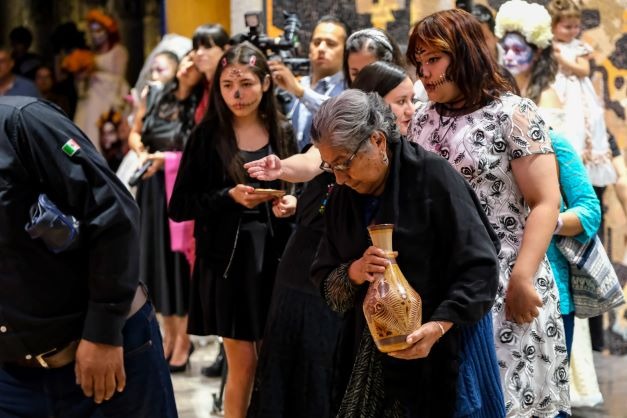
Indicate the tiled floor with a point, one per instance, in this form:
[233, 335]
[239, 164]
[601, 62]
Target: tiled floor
[194, 393]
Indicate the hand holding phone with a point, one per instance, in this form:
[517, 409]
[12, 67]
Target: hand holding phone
[139, 173]
[250, 197]
[271, 192]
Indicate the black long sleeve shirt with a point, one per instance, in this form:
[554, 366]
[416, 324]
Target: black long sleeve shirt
[47, 299]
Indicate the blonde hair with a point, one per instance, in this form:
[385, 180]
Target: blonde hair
[563, 9]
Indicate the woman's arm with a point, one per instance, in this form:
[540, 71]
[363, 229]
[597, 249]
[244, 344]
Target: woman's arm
[298, 168]
[135, 137]
[534, 169]
[536, 177]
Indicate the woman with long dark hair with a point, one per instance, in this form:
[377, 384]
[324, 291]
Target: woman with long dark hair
[238, 232]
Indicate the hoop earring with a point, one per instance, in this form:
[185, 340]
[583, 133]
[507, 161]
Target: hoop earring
[385, 159]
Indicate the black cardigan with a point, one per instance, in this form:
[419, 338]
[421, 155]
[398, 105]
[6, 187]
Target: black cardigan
[201, 192]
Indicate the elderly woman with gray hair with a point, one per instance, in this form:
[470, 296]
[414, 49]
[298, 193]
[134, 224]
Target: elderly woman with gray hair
[446, 250]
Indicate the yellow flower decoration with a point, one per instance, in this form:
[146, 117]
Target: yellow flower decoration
[531, 20]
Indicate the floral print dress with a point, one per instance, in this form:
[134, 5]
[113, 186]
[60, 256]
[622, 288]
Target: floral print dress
[480, 145]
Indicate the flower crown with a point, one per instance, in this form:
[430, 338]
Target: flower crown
[98, 16]
[529, 19]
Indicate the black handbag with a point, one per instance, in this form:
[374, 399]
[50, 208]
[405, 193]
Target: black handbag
[58, 231]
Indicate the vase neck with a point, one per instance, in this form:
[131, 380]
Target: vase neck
[391, 255]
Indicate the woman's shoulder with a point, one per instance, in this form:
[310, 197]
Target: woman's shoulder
[117, 50]
[576, 47]
[549, 99]
[511, 102]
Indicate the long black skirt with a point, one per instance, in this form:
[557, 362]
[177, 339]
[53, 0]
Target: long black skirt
[166, 273]
[299, 373]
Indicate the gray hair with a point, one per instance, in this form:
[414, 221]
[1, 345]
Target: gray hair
[344, 121]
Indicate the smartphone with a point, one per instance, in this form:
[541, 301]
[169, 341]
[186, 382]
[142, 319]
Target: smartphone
[273, 192]
[139, 173]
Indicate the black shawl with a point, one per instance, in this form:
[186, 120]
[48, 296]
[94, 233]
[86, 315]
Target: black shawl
[447, 252]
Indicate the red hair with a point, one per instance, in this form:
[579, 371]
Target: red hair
[458, 34]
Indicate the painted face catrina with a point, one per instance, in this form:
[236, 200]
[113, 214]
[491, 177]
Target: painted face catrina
[98, 34]
[519, 54]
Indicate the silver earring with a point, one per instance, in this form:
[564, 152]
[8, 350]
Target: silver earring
[385, 159]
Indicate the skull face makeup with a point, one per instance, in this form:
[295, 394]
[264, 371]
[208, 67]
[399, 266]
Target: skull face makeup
[241, 89]
[518, 58]
[98, 33]
[431, 68]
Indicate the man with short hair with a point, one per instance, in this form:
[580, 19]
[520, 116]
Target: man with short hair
[326, 53]
[78, 338]
[13, 84]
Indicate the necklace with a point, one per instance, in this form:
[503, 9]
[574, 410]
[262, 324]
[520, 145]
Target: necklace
[323, 206]
[447, 122]
[440, 146]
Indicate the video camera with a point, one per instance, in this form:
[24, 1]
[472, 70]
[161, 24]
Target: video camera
[285, 48]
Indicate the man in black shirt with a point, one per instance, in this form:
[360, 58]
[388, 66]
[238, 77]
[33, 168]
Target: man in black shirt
[79, 316]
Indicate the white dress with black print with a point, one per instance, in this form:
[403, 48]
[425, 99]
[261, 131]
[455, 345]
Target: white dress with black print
[480, 145]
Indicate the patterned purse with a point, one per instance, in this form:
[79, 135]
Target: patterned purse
[594, 284]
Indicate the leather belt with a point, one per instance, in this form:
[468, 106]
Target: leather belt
[52, 359]
[55, 359]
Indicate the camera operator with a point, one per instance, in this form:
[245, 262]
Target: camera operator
[326, 51]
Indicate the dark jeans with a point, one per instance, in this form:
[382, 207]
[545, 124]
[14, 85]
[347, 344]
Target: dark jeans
[569, 328]
[39, 393]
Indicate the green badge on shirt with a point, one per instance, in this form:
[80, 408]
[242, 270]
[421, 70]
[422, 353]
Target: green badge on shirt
[70, 147]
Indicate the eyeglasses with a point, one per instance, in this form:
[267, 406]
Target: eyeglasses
[324, 166]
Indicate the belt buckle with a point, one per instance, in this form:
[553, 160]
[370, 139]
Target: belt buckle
[40, 358]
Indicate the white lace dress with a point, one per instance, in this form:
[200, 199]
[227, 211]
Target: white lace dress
[584, 122]
[480, 145]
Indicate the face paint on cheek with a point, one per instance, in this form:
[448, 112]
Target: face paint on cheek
[519, 55]
[521, 63]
